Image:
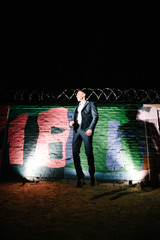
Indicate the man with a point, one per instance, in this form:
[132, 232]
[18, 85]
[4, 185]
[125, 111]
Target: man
[84, 121]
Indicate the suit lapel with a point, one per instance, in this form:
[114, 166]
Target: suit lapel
[86, 103]
[76, 109]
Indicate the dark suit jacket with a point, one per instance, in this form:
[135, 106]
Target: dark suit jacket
[89, 116]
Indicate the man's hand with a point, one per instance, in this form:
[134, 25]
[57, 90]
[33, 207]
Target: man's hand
[71, 123]
[89, 132]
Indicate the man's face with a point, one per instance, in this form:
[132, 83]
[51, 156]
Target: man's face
[80, 96]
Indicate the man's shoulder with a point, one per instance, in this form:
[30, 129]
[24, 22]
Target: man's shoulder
[91, 103]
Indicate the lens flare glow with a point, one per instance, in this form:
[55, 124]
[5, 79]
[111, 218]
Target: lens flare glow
[32, 165]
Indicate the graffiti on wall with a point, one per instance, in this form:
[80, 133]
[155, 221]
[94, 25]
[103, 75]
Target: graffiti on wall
[126, 141]
[3, 121]
[41, 137]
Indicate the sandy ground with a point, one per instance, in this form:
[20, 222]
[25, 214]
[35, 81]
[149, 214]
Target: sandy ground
[58, 210]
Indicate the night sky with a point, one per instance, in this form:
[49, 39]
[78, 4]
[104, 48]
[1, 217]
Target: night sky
[80, 56]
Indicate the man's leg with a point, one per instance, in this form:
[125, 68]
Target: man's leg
[77, 142]
[90, 157]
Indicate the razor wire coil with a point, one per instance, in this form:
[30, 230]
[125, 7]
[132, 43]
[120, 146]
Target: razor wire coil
[105, 95]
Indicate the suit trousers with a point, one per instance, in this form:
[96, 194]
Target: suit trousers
[78, 137]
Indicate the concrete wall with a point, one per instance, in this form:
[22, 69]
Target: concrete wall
[36, 141]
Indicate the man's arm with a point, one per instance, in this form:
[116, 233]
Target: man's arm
[72, 122]
[94, 113]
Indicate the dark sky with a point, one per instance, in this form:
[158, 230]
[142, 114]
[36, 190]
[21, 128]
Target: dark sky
[77, 56]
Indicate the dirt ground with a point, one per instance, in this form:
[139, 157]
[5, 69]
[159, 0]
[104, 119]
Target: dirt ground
[58, 210]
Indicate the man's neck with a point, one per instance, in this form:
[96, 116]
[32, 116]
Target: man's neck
[83, 100]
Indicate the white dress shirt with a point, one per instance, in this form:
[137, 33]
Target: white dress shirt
[80, 107]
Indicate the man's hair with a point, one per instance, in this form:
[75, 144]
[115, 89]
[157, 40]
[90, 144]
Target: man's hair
[82, 90]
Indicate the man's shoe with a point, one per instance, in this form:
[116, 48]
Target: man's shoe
[80, 181]
[92, 181]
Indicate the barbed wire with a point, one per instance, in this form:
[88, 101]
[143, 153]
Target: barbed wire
[106, 95]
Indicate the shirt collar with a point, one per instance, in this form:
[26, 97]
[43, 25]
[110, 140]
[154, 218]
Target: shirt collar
[82, 102]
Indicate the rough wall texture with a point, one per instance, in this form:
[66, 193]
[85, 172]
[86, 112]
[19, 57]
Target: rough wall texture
[36, 141]
[3, 123]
